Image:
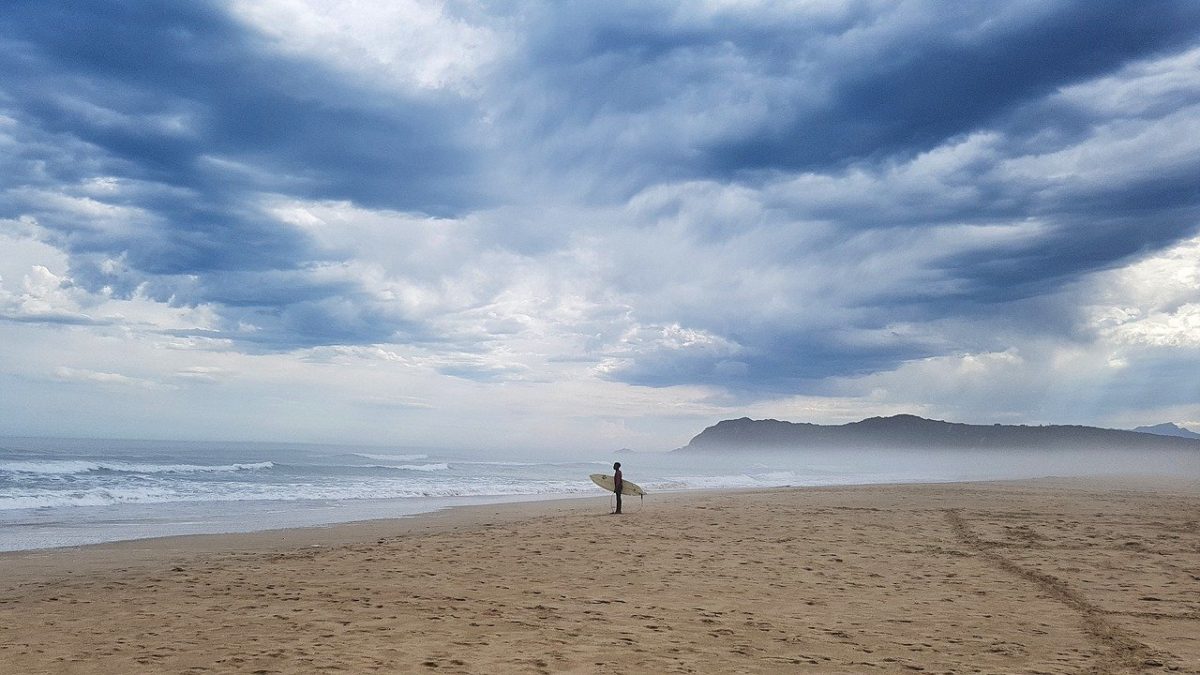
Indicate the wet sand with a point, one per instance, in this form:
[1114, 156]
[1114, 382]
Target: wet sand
[1050, 576]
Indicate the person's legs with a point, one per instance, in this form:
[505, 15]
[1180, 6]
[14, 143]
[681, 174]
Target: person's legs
[618, 502]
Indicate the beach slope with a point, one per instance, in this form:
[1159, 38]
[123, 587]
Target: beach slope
[1036, 576]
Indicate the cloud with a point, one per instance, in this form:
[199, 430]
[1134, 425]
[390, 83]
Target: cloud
[970, 245]
[740, 88]
[924, 74]
[406, 44]
[140, 138]
[753, 201]
[655, 355]
[160, 87]
[43, 298]
[1152, 303]
[65, 374]
[47, 295]
[203, 374]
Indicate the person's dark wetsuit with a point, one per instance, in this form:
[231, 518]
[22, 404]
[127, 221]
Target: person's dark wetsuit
[618, 483]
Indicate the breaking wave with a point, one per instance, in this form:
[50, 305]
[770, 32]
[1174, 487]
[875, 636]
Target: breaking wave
[391, 458]
[70, 467]
[441, 466]
[235, 492]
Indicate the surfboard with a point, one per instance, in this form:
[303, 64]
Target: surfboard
[606, 481]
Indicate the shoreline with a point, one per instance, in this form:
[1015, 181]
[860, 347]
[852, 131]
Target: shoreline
[263, 536]
[1052, 574]
[460, 516]
[347, 533]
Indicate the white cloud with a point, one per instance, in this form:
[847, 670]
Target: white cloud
[1146, 88]
[407, 43]
[65, 374]
[43, 296]
[35, 286]
[1154, 301]
[1130, 364]
[86, 213]
[206, 374]
[1178, 328]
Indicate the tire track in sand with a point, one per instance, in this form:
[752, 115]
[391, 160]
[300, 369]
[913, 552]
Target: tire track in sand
[1124, 651]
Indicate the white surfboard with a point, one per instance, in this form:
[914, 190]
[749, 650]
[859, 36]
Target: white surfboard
[606, 481]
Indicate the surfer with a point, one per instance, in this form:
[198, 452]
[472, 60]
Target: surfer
[618, 483]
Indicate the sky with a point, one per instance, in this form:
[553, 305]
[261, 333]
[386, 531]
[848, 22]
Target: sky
[594, 225]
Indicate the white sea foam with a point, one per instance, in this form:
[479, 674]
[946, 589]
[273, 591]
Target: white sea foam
[391, 458]
[41, 499]
[238, 491]
[74, 467]
[479, 463]
[495, 463]
[441, 466]
[768, 479]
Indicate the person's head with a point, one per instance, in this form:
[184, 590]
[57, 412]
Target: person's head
[616, 465]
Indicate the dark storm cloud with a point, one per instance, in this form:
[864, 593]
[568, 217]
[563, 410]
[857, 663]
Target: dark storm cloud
[192, 114]
[963, 69]
[750, 99]
[659, 95]
[158, 86]
[820, 91]
[774, 360]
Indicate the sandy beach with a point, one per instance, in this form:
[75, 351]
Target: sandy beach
[1049, 576]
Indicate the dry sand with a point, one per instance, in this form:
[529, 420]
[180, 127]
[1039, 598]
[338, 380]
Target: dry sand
[1030, 577]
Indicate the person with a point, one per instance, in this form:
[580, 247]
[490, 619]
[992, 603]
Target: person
[618, 483]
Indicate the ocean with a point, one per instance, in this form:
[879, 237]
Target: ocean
[60, 492]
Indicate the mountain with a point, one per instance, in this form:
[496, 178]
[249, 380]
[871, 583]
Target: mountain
[910, 431]
[1169, 429]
